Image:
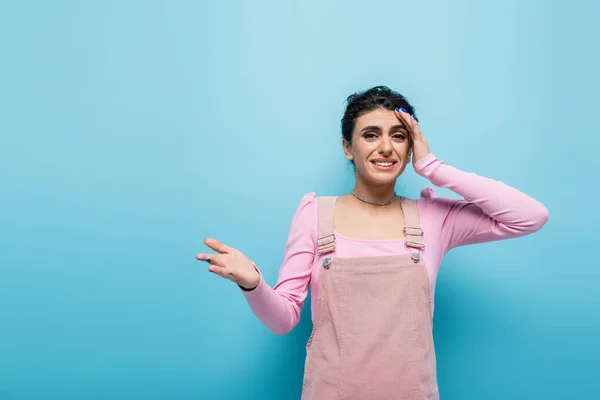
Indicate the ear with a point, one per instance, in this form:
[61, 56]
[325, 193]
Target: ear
[347, 149]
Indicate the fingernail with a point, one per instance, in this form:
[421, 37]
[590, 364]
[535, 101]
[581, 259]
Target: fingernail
[404, 110]
[231, 274]
[413, 117]
[396, 108]
[206, 259]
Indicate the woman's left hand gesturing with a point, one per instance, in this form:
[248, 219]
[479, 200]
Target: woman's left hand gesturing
[420, 148]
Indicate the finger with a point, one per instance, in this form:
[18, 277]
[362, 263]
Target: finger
[406, 122]
[406, 118]
[415, 125]
[223, 272]
[213, 259]
[217, 246]
[411, 123]
[203, 257]
[220, 271]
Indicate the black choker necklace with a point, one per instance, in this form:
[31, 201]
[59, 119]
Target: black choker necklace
[373, 203]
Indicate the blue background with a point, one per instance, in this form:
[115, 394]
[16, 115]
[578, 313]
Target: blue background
[132, 130]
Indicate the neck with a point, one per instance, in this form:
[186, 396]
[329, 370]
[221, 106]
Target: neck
[375, 194]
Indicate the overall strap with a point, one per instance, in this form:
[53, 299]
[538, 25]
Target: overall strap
[412, 228]
[325, 229]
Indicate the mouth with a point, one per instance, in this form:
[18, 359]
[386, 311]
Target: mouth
[384, 165]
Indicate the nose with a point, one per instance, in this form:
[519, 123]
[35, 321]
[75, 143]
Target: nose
[385, 149]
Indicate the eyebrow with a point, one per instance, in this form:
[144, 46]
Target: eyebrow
[378, 129]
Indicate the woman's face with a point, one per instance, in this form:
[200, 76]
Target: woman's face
[380, 147]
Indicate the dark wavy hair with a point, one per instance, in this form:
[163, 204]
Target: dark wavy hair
[363, 102]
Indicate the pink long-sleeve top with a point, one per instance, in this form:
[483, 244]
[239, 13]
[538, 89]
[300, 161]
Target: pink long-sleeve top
[489, 210]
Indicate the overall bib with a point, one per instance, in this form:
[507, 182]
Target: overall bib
[372, 337]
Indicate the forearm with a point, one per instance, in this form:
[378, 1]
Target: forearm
[513, 209]
[277, 308]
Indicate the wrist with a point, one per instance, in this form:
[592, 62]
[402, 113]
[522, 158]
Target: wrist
[245, 289]
[254, 283]
[421, 163]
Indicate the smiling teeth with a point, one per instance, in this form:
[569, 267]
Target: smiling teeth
[384, 164]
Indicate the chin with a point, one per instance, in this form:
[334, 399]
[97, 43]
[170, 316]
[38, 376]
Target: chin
[383, 180]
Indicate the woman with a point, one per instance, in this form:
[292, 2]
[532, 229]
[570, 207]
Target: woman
[371, 257]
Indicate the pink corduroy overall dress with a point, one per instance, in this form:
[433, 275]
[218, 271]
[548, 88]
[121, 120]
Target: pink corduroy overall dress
[372, 337]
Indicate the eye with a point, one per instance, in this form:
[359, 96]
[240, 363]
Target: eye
[369, 135]
[399, 136]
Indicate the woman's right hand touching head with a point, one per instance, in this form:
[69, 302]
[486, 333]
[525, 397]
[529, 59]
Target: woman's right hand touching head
[230, 263]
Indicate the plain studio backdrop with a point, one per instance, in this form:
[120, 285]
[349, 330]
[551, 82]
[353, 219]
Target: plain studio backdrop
[132, 130]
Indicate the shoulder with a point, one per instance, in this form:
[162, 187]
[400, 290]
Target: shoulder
[305, 217]
[310, 201]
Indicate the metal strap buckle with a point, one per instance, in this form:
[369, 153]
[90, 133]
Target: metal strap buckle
[326, 244]
[326, 239]
[413, 231]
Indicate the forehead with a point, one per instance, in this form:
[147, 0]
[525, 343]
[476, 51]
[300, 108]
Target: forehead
[377, 117]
